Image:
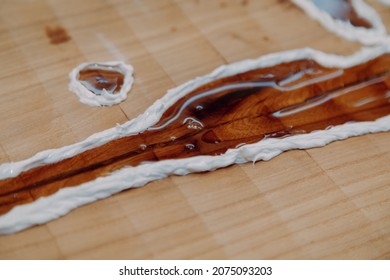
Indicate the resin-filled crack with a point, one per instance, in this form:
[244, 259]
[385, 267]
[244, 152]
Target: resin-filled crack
[282, 98]
[286, 99]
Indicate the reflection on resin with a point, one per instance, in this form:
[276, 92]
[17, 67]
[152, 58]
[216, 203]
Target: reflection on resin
[274, 102]
[342, 10]
[99, 78]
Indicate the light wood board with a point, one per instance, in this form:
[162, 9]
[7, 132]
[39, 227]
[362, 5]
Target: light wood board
[326, 203]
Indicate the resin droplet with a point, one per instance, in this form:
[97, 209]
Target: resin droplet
[143, 147]
[190, 146]
[193, 123]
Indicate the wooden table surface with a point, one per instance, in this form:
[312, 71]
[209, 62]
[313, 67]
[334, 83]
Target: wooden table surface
[326, 203]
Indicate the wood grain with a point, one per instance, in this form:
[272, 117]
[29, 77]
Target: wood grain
[326, 203]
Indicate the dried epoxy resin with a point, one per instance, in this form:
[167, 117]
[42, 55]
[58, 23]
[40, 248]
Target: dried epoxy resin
[353, 20]
[101, 83]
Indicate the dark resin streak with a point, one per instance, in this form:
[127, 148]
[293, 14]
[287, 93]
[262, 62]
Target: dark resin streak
[286, 99]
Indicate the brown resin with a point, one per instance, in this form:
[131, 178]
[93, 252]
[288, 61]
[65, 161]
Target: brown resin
[57, 35]
[101, 77]
[290, 98]
[343, 10]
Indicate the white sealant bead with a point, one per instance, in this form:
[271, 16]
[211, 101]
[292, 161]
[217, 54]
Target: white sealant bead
[105, 99]
[42, 210]
[385, 2]
[367, 36]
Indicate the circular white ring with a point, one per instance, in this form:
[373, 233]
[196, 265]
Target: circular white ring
[105, 99]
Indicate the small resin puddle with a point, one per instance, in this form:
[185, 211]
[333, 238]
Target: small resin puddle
[101, 84]
[288, 99]
[101, 78]
[342, 10]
